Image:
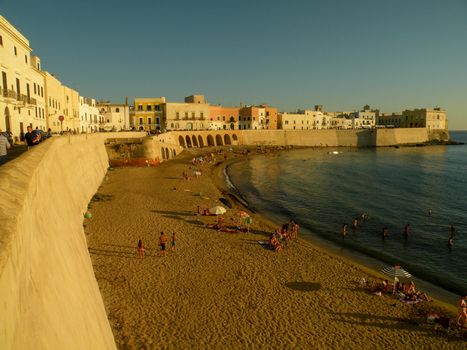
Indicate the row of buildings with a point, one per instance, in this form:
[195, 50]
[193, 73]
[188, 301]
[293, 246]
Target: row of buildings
[156, 114]
[31, 96]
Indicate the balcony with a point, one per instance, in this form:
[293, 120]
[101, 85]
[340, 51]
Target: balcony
[32, 101]
[9, 94]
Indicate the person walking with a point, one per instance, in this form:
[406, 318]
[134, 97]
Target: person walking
[162, 243]
[32, 138]
[4, 147]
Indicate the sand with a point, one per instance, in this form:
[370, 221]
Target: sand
[223, 290]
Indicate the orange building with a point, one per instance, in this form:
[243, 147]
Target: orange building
[223, 118]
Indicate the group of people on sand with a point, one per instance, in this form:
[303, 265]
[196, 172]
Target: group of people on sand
[278, 240]
[164, 241]
[405, 291]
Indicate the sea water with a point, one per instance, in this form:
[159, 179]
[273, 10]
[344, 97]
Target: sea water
[323, 188]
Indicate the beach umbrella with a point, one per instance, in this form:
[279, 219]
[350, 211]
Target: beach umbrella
[217, 210]
[394, 272]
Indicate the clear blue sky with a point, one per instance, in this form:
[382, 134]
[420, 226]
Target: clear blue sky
[291, 54]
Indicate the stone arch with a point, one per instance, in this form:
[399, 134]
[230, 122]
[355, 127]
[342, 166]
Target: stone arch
[188, 141]
[163, 153]
[227, 139]
[167, 155]
[174, 153]
[181, 141]
[200, 141]
[195, 141]
[235, 138]
[210, 140]
[219, 140]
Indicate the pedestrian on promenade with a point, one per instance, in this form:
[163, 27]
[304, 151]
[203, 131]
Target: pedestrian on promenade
[4, 146]
[32, 138]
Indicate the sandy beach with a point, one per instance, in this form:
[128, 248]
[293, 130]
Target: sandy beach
[224, 290]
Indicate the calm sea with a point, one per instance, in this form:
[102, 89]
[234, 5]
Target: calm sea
[394, 186]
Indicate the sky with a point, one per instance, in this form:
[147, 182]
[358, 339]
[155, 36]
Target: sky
[390, 54]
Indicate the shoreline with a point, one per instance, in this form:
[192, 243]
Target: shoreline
[356, 258]
[220, 290]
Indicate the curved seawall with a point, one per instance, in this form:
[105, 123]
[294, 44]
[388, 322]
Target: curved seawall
[49, 297]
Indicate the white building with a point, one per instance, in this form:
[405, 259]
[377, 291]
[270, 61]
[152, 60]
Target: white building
[22, 94]
[304, 120]
[90, 119]
[364, 119]
[116, 116]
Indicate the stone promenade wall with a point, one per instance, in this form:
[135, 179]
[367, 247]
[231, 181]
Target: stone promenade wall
[49, 297]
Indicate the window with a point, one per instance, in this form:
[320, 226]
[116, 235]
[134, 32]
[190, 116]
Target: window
[26, 58]
[177, 115]
[149, 120]
[42, 91]
[34, 88]
[1, 41]
[108, 121]
[15, 51]
[117, 110]
[223, 118]
[140, 108]
[148, 108]
[157, 120]
[186, 114]
[140, 121]
[202, 115]
[193, 115]
[286, 122]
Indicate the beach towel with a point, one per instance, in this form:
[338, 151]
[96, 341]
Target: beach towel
[265, 245]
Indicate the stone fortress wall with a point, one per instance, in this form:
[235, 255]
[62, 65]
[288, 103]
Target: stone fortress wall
[49, 297]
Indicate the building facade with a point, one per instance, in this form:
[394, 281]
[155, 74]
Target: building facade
[116, 115]
[223, 118]
[90, 118]
[432, 119]
[148, 114]
[188, 115]
[22, 97]
[304, 120]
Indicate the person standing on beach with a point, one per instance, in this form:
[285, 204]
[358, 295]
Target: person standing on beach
[354, 224]
[462, 311]
[450, 242]
[162, 244]
[430, 212]
[141, 249]
[174, 242]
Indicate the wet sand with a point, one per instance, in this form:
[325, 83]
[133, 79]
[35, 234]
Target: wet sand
[224, 290]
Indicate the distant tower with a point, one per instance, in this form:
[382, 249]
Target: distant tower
[318, 108]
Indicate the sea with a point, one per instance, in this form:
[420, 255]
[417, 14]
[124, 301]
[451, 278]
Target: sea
[323, 188]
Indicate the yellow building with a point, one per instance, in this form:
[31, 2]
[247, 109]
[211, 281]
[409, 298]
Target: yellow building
[22, 94]
[148, 113]
[432, 119]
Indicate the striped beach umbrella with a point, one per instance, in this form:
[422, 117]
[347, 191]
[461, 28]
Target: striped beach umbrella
[394, 272]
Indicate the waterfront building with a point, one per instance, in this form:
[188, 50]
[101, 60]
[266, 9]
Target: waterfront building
[340, 122]
[71, 109]
[223, 118]
[364, 119]
[271, 117]
[304, 120]
[391, 120]
[90, 119]
[432, 119]
[257, 117]
[116, 115]
[22, 94]
[193, 114]
[148, 114]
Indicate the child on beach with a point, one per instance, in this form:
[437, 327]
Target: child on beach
[141, 249]
[344, 231]
[162, 244]
[173, 242]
